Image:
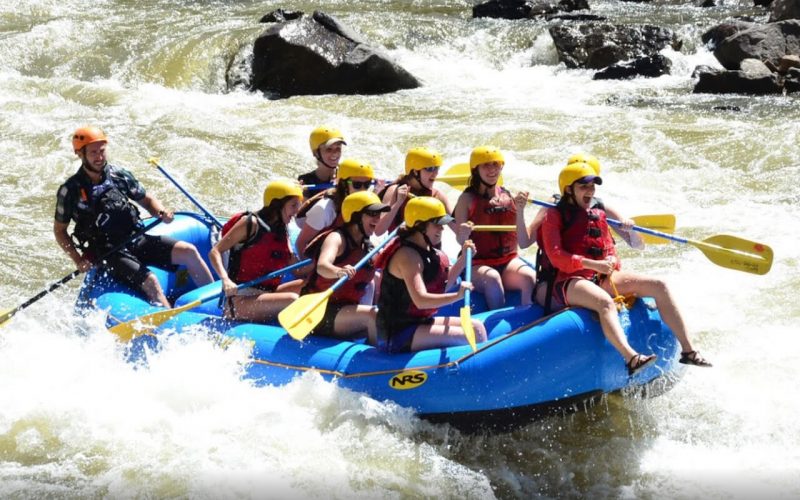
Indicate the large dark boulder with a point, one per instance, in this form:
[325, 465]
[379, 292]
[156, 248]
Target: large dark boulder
[784, 9]
[597, 45]
[650, 66]
[317, 55]
[767, 42]
[792, 82]
[753, 79]
[526, 9]
[720, 32]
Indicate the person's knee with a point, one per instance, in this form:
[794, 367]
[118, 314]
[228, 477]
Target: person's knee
[150, 283]
[606, 306]
[480, 331]
[185, 251]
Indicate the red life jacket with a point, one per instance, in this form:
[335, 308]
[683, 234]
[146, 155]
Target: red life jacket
[351, 291]
[264, 251]
[493, 248]
[585, 233]
[395, 303]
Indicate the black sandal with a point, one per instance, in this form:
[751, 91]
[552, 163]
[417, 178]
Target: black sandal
[695, 359]
[639, 361]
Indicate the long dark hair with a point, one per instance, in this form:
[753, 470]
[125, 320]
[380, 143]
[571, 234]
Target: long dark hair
[271, 214]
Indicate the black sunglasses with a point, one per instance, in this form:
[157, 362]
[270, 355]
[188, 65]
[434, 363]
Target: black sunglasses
[361, 184]
[373, 213]
[430, 170]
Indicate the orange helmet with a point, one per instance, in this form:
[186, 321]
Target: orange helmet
[87, 135]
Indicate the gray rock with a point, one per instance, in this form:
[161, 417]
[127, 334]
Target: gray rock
[317, 55]
[768, 42]
[755, 68]
[737, 82]
[722, 31]
[792, 81]
[784, 9]
[650, 67]
[598, 45]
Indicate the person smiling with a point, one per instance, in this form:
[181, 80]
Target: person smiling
[421, 168]
[324, 210]
[578, 242]
[416, 275]
[98, 199]
[335, 252]
[259, 244]
[326, 146]
[496, 266]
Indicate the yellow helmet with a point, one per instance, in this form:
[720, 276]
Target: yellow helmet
[324, 136]
[87, 135]
[485, 154]
[590, 160]
[362, 201]
[425, 209]
[351, 167]
[576, 172]
[419, 158]
[277, 190]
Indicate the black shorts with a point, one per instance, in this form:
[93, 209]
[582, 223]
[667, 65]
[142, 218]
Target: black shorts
[129, 265]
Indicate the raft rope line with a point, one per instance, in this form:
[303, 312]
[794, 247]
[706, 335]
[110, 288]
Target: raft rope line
[621, 301]
[449, 364]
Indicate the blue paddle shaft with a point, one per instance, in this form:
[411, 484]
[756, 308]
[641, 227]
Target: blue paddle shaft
[252, 282]
[617, 223]
[186, 193]
[365, 259]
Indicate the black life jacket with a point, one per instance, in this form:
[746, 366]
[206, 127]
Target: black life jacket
[105, 215]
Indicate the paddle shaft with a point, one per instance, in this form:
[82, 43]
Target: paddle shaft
[208, 214]
[364, 260]
[256, 281]
[467, 276]
[5, 317]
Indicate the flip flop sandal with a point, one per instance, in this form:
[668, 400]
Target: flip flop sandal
[639, 361]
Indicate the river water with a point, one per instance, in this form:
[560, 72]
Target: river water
[76, 420]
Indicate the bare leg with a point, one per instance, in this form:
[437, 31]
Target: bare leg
[584, 293]
[488, 281]
[186, 254]
[647, 286]
[355, 319]
[445, 332]
[262, 307]
[520, 276]
[293, 286]
[152, 289]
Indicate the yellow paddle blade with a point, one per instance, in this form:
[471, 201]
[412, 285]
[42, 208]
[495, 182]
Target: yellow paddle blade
[736, 253]
[466, 325]
[664, 223]
[458, 176]
[301, 316]
[6, 316]
[142, 325]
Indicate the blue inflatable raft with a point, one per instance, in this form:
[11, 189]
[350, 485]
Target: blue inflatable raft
[531, 366]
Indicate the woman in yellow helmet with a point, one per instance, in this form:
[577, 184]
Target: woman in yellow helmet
[415, 278]
[578, 242]
[326, 147]
[335, 253]
[259, 244]
[527, 234]
[324, 210]
[422, 167]
[496, 266]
